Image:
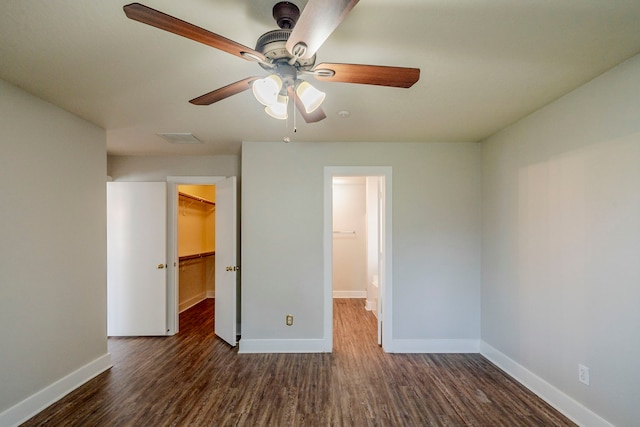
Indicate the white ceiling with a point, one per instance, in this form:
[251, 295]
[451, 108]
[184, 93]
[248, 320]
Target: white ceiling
[484, 65]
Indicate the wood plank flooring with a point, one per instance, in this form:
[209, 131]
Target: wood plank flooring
[195, 379]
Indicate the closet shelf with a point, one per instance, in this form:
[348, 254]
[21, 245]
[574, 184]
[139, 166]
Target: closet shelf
[194, 256]
[197, 199]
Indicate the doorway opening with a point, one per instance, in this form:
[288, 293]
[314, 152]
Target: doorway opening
[358, 244]
[143, 260]
[196, 244]
[192, 204]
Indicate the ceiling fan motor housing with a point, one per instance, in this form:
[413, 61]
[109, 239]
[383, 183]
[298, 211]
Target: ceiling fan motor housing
[272, 45]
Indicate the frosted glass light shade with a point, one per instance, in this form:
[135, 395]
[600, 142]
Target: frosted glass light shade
[266, 90]
[279, 109]
[310, 97]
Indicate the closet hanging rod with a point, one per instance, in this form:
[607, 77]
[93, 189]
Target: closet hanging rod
[197, 199]
[194, 256]
[345, 232]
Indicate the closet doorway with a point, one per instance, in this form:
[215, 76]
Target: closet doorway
[196, 244]
[358, 243]
[221, 239]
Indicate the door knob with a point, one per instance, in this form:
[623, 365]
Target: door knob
[233, 268]
[160, 266]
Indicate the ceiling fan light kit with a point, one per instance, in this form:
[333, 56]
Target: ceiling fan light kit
[310, 96]
[286, 53]
[266, 90]
[278, 110]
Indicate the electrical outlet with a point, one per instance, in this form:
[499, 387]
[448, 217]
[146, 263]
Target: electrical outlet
[583, 374]
[289, 319]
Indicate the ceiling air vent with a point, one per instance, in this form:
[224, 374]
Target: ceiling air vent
[180, 138]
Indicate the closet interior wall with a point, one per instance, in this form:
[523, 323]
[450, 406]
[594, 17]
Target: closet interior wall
[196, 244]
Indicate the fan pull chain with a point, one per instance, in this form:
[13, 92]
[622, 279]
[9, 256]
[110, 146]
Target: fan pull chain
[292, 109]
[295, 127]
[286, 139]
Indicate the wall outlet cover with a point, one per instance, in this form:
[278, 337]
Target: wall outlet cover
[583, 374]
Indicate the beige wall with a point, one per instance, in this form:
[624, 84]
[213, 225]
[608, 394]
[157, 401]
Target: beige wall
[157, 168]
[52, 251]
[196, 220]
[561, 238]
[436, 237]
[349, 250]
[197, 281]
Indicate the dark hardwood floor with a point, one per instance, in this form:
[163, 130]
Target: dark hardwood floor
[194, 379]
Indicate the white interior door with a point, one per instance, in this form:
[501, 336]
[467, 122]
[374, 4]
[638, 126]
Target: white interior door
[226, 275]
[136, 253]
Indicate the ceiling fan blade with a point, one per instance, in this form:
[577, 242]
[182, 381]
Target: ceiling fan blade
[368, 74]
[224, 92]
[317, 21]
[149, 16]
[313, 117]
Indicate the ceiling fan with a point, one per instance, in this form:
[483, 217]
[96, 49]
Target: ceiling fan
[287, 53]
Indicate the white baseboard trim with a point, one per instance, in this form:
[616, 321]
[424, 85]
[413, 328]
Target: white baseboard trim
[186, 305]
[370, 305]
[211, 294]
[433, 346]
[349, 294]
[283, 346]
[35, 403]
[564, 403]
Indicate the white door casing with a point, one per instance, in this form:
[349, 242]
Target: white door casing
[136, 258]
[381, 257]
[173, 273]
[385, 276]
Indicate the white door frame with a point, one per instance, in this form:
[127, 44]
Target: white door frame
[385, 278]
[172, 242]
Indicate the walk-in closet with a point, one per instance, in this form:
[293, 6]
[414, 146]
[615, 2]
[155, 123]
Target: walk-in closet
[196, 244]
